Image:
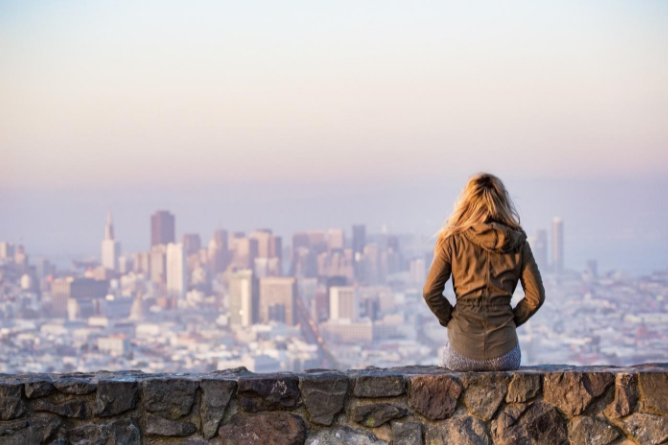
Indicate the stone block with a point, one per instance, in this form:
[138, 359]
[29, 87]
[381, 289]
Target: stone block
[324, 395]
[169, 397]
[374, 386]
[216, 395]
[574, 392]
[434, 396]
[269, 392]
[484, 393]
[264, 428]
[377, 414]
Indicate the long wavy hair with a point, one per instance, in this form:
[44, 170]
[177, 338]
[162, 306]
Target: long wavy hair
[484, 199]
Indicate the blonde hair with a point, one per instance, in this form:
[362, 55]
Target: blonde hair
[484, 199]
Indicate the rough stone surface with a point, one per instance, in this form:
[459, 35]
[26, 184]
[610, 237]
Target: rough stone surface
[377, 414]
[400, 405]
[119, 432]
[407, 433]
[573, 392]
[484, 393]
[37, 388]
[585, 430]
[460, 431]
[35, 430]
[435, 396]
[216, 395]
[523, 387]
[159, 426]
[324, 396]
[74, 385]
[73, 409]
[264, 428]
[269, 392]
[379, 386]
[170, 398]
[114, 397]
[344, 435]
[654, 390]
[647, 429]
[11, 405]
[537, 423]
[626, 396]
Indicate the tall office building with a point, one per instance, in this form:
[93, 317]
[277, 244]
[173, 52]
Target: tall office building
[263, 238]
[6, 251]
[317, 241]
[162, 228]
[158, 265]
[343, 303]
[176, 271]
[192, 243]
[418, 270]
[268, 253]
[218, 252]
[359, 238]
[336, 239]
[557, 245]
[245, 252]
[359, 242]
[539, 249]
[77, 292]
[278, 300]
[243, 298]
[111, 249]
[300, 242]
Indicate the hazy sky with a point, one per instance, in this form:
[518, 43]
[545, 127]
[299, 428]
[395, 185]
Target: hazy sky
[309, 114]
[101, 93]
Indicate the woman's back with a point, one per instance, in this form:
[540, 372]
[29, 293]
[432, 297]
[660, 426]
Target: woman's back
[486, 263]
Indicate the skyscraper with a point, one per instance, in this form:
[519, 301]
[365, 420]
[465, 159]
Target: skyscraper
[539, 249]
[162, 228]
[343, 303]
[84, 290]
[176, 271]
[111, 249]
[263, 238]
[336, 239]
[359, 238]
[158, 265]
[219, 255]
[359, 242]
[268, 253]
[557, 245]
[6, 251]
[192, 243]
[243, 298]
[278, 300]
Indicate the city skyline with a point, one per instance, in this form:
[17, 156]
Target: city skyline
[191, 187]
[330, 297]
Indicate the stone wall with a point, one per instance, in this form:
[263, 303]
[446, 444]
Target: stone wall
[402, 406]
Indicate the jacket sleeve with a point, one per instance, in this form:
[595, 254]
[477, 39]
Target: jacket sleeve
[435, 285]
[534, 292]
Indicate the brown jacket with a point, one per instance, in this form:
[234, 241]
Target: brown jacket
[486, 262]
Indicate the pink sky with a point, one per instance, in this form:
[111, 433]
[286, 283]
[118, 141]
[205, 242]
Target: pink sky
[99, 93]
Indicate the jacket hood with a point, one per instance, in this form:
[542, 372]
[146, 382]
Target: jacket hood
[495, 237]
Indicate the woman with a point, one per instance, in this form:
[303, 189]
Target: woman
[484, 248]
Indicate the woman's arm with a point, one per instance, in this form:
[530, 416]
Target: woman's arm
[534, 292]
[433, 288]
